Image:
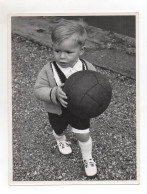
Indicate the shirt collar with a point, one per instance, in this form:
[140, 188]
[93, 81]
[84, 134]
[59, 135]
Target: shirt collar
[77, 66]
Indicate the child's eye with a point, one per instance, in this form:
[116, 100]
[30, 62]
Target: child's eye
[68, 52]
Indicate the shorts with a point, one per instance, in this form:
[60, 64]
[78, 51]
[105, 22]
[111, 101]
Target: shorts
[60, 122]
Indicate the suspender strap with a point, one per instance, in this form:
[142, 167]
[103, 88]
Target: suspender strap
[60, 73]
[84, 64]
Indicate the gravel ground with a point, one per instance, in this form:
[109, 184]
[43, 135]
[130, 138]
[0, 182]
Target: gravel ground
[35, 154]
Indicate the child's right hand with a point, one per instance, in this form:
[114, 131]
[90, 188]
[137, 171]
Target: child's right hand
[61, 96]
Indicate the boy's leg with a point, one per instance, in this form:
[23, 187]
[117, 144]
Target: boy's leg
[85, 143]
[81, 129]
[59, 124]
[63, 145]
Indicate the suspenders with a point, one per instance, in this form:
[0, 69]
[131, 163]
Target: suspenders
[61, 75]
[84, 64]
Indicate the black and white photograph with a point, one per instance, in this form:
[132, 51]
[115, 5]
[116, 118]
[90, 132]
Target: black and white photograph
[74, 97]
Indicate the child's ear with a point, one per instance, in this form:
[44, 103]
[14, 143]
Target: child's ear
[83, 48]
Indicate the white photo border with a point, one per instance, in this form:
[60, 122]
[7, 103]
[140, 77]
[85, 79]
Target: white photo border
[119, 182]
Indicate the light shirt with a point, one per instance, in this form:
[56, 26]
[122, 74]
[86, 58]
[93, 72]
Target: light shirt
[67, 71]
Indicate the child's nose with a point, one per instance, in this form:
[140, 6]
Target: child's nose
[62, 55]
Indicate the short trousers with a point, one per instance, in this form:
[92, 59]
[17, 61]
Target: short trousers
[60, 122]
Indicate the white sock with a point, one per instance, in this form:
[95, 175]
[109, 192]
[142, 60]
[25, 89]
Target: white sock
[59, 137]
[86, 149]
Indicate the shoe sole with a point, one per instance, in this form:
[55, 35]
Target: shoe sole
[64, 154]
[93, 176]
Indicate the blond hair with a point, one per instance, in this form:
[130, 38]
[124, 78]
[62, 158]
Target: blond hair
[69, 29]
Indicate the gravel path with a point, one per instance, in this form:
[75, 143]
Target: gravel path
[35, 154]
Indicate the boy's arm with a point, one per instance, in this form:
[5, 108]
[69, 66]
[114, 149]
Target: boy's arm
[42, 89]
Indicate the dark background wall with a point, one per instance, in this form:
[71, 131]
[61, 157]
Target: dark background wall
[120, 24]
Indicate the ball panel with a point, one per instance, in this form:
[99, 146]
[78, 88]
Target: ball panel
[91, 108]
[94, 109]
[77, 86]
[80, 80]
[99, 94]
[71, 81]
[102, 80]
[83, 111]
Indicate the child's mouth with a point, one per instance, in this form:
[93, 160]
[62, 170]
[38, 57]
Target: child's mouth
[63, 64]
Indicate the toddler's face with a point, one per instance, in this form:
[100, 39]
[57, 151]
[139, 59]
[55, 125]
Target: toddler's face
[67, 53]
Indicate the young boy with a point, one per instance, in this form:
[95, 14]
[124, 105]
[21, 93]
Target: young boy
[68, 43]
